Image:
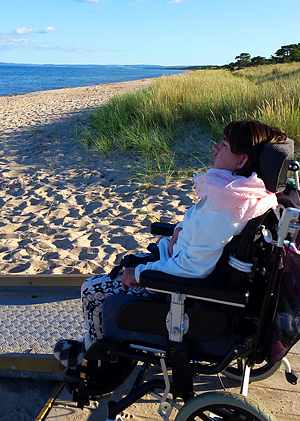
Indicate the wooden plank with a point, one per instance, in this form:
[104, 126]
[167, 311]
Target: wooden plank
[44, 412]
[46, 363]
[42, 280]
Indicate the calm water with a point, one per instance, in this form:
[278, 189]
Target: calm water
[24, 79]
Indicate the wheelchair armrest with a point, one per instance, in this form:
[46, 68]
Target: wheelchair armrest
[162, 228]
[201, 288]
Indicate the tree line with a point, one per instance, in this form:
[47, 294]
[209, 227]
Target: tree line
[285, 54]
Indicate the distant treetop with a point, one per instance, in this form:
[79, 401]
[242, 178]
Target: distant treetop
[285, 54]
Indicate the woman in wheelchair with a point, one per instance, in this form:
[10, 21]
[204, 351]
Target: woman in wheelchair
[230, 193]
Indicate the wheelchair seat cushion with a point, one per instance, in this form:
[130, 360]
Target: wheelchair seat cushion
[111, 330]
[144, 320]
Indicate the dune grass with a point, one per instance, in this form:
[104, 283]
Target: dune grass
[150, 122]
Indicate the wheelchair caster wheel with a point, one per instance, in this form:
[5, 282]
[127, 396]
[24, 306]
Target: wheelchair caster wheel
[292, 377]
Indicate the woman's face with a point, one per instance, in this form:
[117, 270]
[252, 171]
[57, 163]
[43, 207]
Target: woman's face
[224, 159]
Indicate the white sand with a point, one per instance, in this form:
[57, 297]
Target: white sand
[65, 211]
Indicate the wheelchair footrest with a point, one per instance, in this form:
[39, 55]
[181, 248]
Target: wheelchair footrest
[83, 392]
[93, 381]
[92, 387]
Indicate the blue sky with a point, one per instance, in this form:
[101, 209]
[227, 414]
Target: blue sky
[163, 32]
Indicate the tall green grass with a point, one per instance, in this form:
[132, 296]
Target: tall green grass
[279, 99]
[149, 121]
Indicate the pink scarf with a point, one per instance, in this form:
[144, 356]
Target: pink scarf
[244, 197]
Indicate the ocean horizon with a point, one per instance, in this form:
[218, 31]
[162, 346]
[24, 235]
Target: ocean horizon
[18, 79]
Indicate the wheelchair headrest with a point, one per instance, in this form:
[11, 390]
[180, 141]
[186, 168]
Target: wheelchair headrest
[274, 164]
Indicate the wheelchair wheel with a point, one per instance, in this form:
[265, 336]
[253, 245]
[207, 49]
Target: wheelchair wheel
[221, 406]
[259, 372]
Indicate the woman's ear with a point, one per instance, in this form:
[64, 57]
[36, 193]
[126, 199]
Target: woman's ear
[243, 160]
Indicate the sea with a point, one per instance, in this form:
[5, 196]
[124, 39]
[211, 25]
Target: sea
[23, 79]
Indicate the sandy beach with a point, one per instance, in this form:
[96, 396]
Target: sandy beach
[64, 210]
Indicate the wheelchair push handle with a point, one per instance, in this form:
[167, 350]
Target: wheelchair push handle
[288, 223]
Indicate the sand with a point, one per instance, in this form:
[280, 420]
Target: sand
[64, 210]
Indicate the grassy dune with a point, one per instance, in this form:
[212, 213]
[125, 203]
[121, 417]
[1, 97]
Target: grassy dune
[150, 121]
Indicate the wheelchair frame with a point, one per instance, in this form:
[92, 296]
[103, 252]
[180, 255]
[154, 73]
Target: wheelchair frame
[175, 354]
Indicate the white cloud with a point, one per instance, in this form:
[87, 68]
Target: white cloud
[91, 1]
[9, 41]
[25, 31]
[15, 39]
[174, 1]
[47, 30]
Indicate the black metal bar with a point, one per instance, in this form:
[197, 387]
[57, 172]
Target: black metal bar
[274, 278]
[139, 356]
[162, 228]
[114, 408]
[218, 368]
[142, 374]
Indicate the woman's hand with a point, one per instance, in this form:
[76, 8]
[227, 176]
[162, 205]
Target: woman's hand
[128, 279]
[173, 240]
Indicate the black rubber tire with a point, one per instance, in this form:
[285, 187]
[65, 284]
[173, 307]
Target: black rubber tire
[257, 373]
[222, 406]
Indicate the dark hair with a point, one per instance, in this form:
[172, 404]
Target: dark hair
[250, 137]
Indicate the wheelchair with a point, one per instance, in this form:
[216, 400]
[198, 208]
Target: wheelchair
[198, 326]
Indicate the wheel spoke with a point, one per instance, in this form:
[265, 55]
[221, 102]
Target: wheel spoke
[224, 413]
[204, 417]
